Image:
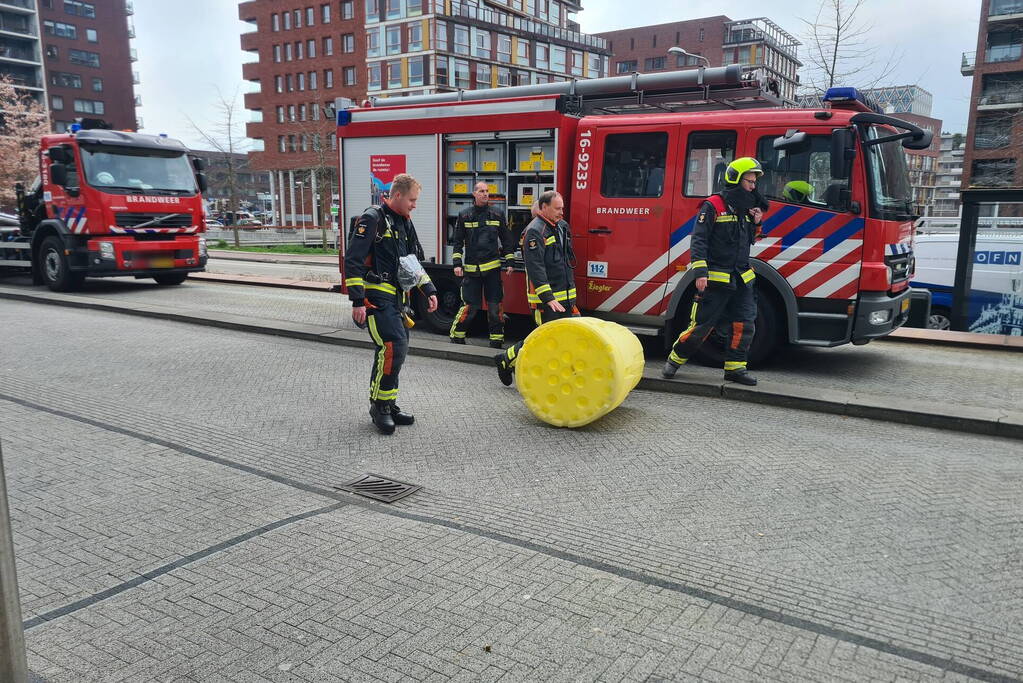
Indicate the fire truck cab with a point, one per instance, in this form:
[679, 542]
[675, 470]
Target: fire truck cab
[635, 157]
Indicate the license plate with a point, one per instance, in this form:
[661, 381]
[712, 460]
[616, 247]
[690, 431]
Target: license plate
[162, 263]
[905, 304]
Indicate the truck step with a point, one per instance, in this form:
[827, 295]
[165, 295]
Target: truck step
[643, 331]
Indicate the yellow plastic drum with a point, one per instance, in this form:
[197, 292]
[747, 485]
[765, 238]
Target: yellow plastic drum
[573, 371]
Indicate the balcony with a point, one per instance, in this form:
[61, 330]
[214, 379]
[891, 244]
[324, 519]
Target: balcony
[133, 54]
[11, 24]
[253, 100]
[968, 64]
[247, 11]
[250, 71]
[135, 77]
[1003, 53]
[526, 27]
[19, 54]
[129, 7]
[138, 100]
[1000, 100]
[1004, 10]
[249, 42]
[254, 129]
[23, 6]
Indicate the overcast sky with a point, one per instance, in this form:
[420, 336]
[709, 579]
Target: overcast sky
[188, 49]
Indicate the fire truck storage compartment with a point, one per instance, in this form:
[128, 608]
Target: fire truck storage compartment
[417, 155]
[534, 156]
[460, 157]
[490, 157]
[497, 184]
[460, 184]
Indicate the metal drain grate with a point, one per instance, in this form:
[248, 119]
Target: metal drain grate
[379, 488]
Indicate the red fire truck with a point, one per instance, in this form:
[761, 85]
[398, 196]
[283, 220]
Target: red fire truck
[109, 203]
[634, 157]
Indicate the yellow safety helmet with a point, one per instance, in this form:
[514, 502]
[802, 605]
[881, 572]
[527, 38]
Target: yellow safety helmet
[740, 167]
[797, 191]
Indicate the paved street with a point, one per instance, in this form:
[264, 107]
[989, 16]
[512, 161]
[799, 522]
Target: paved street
[175, 519]
[308, 271]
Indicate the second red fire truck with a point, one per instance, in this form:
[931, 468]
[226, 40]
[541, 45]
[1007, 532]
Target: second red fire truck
[634, 157]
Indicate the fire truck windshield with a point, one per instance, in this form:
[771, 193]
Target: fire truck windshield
[891, 195]
[133, 170]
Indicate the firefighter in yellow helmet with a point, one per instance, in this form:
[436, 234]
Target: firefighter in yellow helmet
[726, 227]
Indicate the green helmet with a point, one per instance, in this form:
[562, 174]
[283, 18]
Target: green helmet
[797, 191]
[740, 167]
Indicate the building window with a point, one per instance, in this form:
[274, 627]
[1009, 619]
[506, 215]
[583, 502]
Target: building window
[305, 142]
[349, 75]
[287, 20]
[282, 144]
[51, 52]
[275, 22]
[372, 11]
[80, 9]
[328, 46]
[415, 37]
[520, 77]
[91, 35]
[481, 44]
[1004, 45]
[291, 112]
[443, 75]
[291, 83]
[56, 102]
[60, 30]
[287, 52]
[97, 85]
[83, 57]
[461, 39]
[315, 109]
[522, 53]
[310, 49]
[324, 14]
[297, 18]
[279, 83]
[687, 60]
[503, 77]
[440, 39]
[461, 74]
[593, 66]
[414, 8]
[328, 78]
[280, 113]
[393, 40]
[89, 107]
[393, 9]
[312, 80]
[703, 34]
[301, 112]
[348, 43]
[504, 48]
[653, 64]
[543, 52]
[577, 63]
[394, 73]
[373, 43]
[348, 9]
[558, 55]
[310, 16]
[277, 54]
[482, 75]
[556, 14]
[993, 173]
[333, 141]
[291, 143]
[993, 132]
[65, 80]
[299, 51]
[373, 74]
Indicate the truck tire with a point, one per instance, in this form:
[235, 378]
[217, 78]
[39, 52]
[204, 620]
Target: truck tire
[170, 278]
[54, 267]
[449, 300]
[939, 319]
[766, 341]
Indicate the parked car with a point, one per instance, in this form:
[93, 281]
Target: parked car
[249, 223]
[8, 220]
[211, 223]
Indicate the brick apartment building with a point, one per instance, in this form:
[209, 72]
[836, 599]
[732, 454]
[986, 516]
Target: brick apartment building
[756, 43]
[994, 138]
[74, 56]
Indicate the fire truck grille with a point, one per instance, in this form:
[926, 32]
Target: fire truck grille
[900, 266]
[147, 255]
[131, 220]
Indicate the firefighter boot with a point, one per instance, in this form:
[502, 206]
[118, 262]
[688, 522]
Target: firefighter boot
[380, 411]
[669, 369]
[740, 377]
[495, 344]
[458, 340]
[401, 418]
[503, 371]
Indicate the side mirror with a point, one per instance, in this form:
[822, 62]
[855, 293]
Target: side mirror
[200, 179]
[198, 164]
[843, 150]
[58, 154]
[58, 173]
[794, 141]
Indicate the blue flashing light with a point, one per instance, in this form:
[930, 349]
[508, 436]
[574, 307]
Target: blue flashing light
[344, 117]
[163, 135]
[75, 127]
[842, 95]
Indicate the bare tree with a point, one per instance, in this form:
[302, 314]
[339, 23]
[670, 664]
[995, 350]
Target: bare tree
[840, 51]
[316, 138]
[223, 137]
[23, 121]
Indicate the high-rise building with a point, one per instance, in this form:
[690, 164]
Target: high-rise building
[20, 52]
[88, 57]
[757, 43]
[992, 155]
[426, 46]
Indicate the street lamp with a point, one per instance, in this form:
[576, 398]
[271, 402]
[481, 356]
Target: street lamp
[301, 204]
[680, 51]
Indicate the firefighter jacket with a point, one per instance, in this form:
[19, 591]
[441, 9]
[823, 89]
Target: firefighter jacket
[721, 241]
[377, 240]
[547, 251]
[481, 241]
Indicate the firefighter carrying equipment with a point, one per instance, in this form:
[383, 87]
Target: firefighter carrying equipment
[576, 370]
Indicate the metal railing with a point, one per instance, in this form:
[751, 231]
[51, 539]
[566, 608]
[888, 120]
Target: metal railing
[24, 54]
[1001, 7]
[1002, 53]
[969, 60]
[505, 20]
[24, 4]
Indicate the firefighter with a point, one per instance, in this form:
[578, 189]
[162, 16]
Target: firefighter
[550, 283]
[377, 282]
[727, 225]
[482, 244]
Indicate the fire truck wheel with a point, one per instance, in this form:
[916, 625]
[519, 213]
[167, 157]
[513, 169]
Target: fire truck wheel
[449, 300]
[765, 342]
[54, 267]
[170, 278]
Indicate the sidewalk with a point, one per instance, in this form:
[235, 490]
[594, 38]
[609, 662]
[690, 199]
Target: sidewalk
[993, 418]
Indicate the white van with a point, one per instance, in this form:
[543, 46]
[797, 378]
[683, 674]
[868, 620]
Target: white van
[996, 302]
